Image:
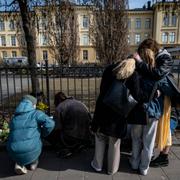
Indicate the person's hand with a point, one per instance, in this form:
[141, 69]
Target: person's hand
[137, 57]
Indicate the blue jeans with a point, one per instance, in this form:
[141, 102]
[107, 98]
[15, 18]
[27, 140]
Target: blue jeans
[143, 139]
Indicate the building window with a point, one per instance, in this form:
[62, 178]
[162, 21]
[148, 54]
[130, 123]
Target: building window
[2, 25]
[129, 23]
[4, 54]
[138, 23]
[85, 22]
[148, 23]
[172, 37]
[43, 39]
[174, 20]
[128, 39]
[85, 40]
[13, 40]
[85, 55]
[3, 40]
[45, 55]
[43, 23]
[166, 20]
[12, 25]
[14, 54]
[137, 38]
[164, 37]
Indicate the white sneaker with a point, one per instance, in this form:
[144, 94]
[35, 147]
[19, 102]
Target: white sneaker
[20, 169]
[143, 172]
[34, 165]
[95, 168]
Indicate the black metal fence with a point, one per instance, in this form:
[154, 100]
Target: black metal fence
[82, 82]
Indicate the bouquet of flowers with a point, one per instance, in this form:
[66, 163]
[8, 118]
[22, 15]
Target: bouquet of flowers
[42, 106]
[4, 128]
[42, 102]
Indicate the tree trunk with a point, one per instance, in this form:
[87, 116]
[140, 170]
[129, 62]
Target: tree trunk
[29, 31]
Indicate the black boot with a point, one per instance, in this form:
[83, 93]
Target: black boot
[161, 161]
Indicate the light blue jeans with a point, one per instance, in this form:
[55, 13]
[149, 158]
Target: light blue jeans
[143, 139]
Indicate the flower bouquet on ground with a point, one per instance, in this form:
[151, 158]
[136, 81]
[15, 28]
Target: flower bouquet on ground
[4, 126]
[42, 102]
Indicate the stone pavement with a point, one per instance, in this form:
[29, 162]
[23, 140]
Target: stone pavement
[78, 167]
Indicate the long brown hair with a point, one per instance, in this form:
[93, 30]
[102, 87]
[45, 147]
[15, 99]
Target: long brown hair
[149, 57]
[147, 50]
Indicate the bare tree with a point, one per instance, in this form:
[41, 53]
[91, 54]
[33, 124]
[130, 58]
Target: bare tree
[109, 29]
[62, 30]
[25, 8]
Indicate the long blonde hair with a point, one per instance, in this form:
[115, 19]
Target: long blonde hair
[125, 69]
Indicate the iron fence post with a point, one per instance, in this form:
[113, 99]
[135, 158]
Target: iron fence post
[47, 85]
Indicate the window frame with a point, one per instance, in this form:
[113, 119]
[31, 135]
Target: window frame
[85, 39]
[2, 24]
[15, 53]
[172, 37]
[166, 20]
[43, 55]
[164, 36]
[85, 24]
[85, 56]
[3, 43]
[148, 23]
[138, 23]
[137, 38]
[13, 40]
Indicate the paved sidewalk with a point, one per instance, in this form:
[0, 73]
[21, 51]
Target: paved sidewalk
[78, 167]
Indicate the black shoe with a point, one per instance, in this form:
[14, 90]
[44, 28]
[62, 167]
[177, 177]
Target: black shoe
[161, 161]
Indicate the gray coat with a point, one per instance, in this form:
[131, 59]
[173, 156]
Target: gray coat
[73, 118]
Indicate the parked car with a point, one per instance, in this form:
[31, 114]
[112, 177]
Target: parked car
[15, 61]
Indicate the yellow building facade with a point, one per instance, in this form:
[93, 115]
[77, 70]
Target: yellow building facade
[160, 22]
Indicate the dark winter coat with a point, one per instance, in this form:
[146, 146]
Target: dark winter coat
[105, 119]
[149, 108]
[164, 64]
[26, 128]
[73, 119]
[161, 72]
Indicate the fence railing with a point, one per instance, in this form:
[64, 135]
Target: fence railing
[82, 82]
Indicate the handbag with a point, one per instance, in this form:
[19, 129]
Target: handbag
[119, 99]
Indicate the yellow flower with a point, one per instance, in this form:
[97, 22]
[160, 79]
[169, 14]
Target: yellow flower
[42, 106]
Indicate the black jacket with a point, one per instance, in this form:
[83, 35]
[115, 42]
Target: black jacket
[106, 120]
[162, 72]
[164, 64]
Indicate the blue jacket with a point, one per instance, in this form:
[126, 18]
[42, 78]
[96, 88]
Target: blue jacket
[26, 128]
[155, 106]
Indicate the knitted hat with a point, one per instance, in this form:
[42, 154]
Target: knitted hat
[30, 98]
